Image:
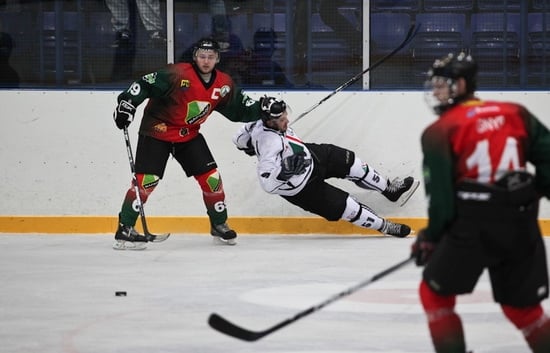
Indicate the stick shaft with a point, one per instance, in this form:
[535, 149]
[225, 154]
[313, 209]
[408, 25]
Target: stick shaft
[135, 181]
[150, 236]
[222, 325]
[410, 35]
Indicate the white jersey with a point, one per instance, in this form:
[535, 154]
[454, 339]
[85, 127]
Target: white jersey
[271, 147]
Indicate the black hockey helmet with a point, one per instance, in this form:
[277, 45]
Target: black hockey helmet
[445, 72]
[454, 67]
[272, 108]
[206, 44]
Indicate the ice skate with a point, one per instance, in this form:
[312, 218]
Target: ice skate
[127, 238]
[395, 229]
[401, 189]
[223, 234]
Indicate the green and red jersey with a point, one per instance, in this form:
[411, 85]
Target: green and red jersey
[180, 101]
[481, 141]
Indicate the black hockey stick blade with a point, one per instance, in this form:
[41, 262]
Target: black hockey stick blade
[225, 326]
[155, 238]
[413, 30]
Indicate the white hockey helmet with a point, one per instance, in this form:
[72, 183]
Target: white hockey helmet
[272, 108]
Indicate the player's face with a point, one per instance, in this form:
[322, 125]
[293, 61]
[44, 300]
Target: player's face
[206, 60]
[281, 123]
[438, 92]
[441, 89]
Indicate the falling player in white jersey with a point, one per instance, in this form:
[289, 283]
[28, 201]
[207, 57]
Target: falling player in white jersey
[297, 171]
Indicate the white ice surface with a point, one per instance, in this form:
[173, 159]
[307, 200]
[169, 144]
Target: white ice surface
[57, 295]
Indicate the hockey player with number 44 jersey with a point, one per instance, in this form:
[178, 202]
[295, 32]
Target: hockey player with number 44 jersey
[482, 207]
[297, 171]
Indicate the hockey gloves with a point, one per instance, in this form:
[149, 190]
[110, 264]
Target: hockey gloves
[124, 114]
[295, 164]
[249, 149]
[422, 248]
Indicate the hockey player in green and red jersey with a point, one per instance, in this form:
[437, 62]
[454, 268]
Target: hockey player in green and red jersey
[181, 98]
[483, 207]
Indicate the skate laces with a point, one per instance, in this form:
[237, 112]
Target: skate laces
[395, 229]
[224, 228]
[396, 185]
[129, 233]
[391, 228]
[223, 232]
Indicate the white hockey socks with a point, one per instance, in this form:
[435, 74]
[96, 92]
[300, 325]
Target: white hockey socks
[366, 177]
[361, 215]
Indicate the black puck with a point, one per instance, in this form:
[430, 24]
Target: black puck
[120, 294]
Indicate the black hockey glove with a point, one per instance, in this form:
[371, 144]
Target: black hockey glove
[124, 114]
[249, 149]
[295, 164]
[422, 249]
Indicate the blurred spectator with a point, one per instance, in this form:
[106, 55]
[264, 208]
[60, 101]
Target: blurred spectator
[220, 22]
[123, 63]
[149, 12]
[301, 23]
[350, 33]
[9, 78]
[221, 27]
[233, 60]
[330, 15]
[262, 70]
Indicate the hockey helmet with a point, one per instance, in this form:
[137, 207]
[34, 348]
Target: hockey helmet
[206, 44]
[272, 108]
[444, 73]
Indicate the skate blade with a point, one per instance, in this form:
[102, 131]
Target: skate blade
[128, 245]
[221, 241]
[407, 195]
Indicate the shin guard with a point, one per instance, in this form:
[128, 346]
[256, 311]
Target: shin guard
[213, 196]
[365, 177]
[130, 208]
[444, 324]
[534, 325]
[361, 215]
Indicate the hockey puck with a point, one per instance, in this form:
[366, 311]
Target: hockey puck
[120, 294]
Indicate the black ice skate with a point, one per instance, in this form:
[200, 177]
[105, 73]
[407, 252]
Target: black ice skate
[223, 233]
[401, 188]
[127, 238]
[396, 229]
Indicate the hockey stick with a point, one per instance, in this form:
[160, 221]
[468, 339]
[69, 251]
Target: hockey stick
[224, 326]
[410, 35]
[150, 236]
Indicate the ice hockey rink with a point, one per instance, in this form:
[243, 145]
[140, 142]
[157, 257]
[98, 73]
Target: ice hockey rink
[57, 295]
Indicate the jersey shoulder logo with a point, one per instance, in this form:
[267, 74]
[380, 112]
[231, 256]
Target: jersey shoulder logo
[185, 84]
[224, 91]
[218, 93]
[150, 78]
